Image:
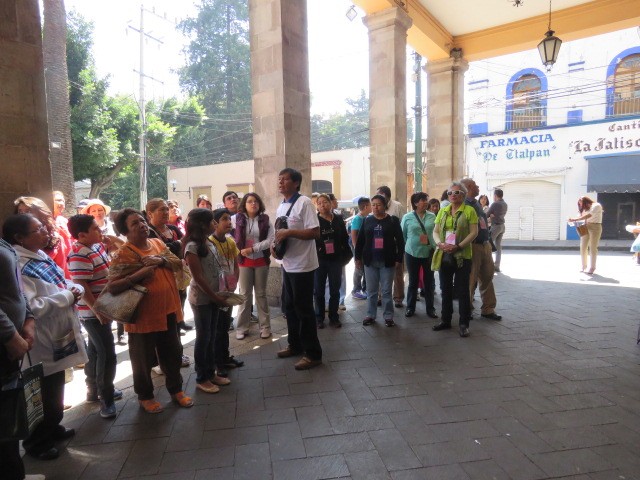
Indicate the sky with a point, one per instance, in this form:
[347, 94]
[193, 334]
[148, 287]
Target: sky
[338, 48]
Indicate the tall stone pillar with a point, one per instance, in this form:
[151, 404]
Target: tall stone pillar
[280, 94]
[24, 146]
[445, 135]
[57, 87]
[388, 100]
[280, 102]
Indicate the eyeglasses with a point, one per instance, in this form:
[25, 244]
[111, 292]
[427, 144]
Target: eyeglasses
[454, 192]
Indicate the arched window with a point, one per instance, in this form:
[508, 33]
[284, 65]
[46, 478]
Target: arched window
[626, 86]
[527, 106]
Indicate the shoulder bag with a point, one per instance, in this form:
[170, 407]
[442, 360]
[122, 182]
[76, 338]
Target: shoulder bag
[21, 402]
[280, 248]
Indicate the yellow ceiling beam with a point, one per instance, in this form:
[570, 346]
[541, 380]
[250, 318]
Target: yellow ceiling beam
[429, 38]
[581, 21]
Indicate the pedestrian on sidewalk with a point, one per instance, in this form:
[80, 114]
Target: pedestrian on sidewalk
[496, 213]
[199, 253]
[148, 261]
[89, 266]
[359, 281]
[298, 266]
[456, 227]
[482, 269]
[380, 248]
[17, 335]
[591, 214]
[417, 228]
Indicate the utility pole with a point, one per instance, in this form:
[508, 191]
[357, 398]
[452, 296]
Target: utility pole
[142, 146]
[417, 162]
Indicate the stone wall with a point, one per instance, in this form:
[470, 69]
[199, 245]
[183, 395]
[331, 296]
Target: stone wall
[24, 148]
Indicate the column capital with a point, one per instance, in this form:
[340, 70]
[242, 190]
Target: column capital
[391, 17]
[459, 65]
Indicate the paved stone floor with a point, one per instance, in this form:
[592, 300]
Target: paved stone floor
[552, 391]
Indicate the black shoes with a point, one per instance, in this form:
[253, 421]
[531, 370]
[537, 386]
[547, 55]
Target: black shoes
[398, 304]
[432, 313]
[409, 312]
[63, 433]
[441, 326]
[185, 327]
[50, 454]
[233, 362]
[492, 316]
[464, 332]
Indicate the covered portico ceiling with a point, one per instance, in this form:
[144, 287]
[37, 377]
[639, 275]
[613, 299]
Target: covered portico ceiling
[488, 28]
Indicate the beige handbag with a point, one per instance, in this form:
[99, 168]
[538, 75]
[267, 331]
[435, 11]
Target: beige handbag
[121, 307]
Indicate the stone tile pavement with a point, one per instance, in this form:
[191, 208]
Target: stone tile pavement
[551, 392]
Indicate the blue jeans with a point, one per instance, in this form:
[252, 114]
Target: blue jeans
[100, 370]
[378, 275]
[413, 268]
[206, 319]
[359, 281]
[331, 270]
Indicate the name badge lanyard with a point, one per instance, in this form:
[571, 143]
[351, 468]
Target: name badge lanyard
[424, 238]
[329, 246]
[378, 237]
[450, 237]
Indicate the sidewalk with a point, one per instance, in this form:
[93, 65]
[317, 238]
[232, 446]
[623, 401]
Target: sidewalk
[550, 392]
[605, 245]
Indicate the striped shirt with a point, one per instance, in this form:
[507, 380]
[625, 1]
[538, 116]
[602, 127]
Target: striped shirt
[91, 265]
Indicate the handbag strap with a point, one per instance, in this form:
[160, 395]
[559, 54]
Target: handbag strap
[293, 202]
[424, 230]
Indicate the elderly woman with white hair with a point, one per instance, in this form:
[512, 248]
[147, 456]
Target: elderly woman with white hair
[456, 227]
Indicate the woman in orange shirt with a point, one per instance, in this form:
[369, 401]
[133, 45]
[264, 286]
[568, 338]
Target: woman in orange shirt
[149, 262]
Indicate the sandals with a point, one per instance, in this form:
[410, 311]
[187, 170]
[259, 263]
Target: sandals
[151, 406]
[181, 399]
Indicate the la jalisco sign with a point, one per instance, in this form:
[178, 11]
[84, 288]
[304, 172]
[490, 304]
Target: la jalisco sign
[618, 136]
[526, 147]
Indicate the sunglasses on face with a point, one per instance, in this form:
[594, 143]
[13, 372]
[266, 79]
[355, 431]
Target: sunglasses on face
[454, 192]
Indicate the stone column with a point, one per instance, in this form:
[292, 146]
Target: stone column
[388, 100]
[280, 94]
[445, 135]
[280, 102]
[24, 146]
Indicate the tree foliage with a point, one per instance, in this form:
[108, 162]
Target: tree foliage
[218, 72]
[342, 131]
[105, 129]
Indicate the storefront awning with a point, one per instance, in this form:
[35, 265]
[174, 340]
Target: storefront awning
[608, 174]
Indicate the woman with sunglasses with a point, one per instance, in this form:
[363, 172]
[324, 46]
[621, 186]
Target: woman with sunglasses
[456, 227]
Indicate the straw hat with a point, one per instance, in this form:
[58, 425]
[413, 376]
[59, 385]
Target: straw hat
[95, 201]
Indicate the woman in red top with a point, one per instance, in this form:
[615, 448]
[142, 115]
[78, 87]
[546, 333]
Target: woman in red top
[253, 235]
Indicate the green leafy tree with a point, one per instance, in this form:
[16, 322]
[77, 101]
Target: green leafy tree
[342, 131]
[104, 129]
[218, 72]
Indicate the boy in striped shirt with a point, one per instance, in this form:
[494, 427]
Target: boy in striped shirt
[89, 266]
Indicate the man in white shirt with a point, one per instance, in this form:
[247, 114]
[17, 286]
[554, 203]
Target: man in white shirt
[395, 209]
[298, 265]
